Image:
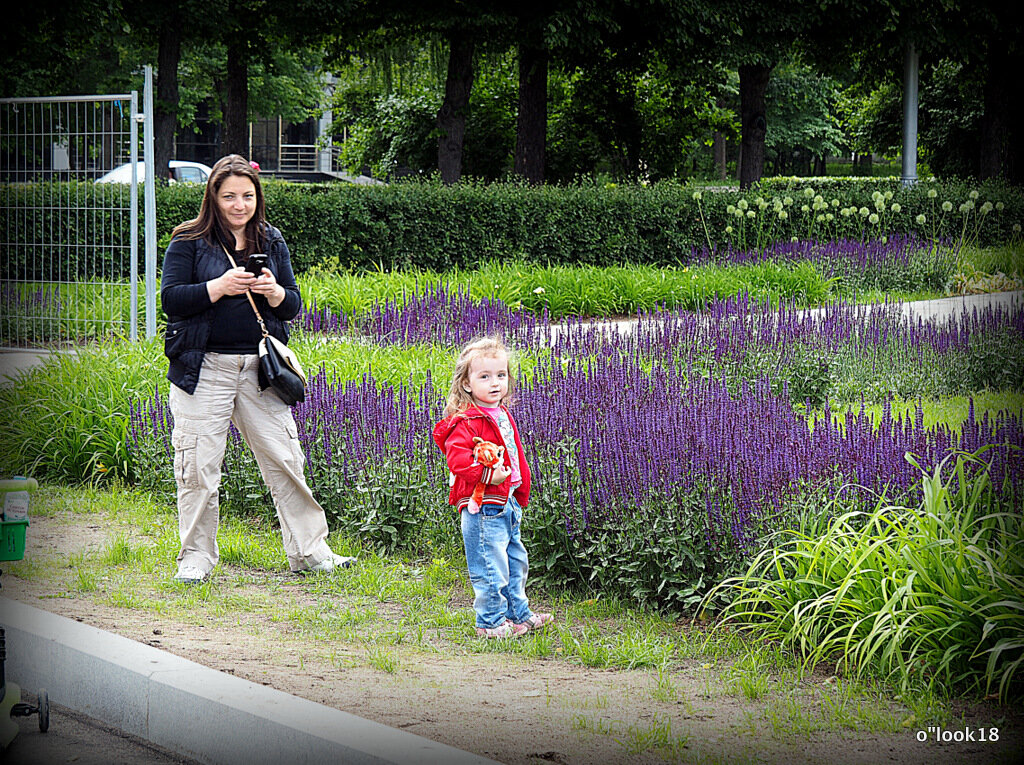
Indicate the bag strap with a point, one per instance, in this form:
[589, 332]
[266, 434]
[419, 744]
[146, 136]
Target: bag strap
[248, 294]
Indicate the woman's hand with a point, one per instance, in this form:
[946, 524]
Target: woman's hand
[266, 285]
[238, 281]
[234, 281]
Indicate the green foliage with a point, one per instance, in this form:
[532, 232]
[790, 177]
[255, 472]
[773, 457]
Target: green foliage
[437, 228]
[666, 557]
[949, 117]
[68, 419]
[801, 125]
[923, 596]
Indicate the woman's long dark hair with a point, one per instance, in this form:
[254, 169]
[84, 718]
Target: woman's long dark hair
[208, 224]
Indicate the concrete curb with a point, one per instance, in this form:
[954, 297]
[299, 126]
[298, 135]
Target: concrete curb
[190, 709]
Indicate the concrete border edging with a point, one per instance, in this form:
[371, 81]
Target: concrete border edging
[196, 711]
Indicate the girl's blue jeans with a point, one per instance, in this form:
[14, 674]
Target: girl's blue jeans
[498, 563]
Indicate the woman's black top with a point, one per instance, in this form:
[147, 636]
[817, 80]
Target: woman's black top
[196, 325]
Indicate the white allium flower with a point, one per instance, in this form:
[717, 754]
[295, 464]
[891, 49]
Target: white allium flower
[864, 212]
[742, 204]
[895, 207]
[730, 209]
[750, 213]
[728, 229]
[1000, 206]
[809, 192]
[920, 220]
[973, 195]
[873, 218]
[986, 208]
[888, 196]
[787, 201]
[947, 206]
[804, 208]
[697, 195]
[932, 193]
[783, 215]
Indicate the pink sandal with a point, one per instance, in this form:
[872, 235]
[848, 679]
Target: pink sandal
[538, 621]
[504, 630]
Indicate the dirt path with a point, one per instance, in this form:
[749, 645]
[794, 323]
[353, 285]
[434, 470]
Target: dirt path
[512, 709]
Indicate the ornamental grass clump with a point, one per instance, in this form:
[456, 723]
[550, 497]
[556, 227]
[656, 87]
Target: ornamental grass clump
[930, 595]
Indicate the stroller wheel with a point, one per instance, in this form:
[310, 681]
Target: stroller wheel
[44, 711]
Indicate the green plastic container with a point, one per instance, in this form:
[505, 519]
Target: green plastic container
[12, 540]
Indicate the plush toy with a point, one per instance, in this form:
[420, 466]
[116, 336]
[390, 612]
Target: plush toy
[489, 454]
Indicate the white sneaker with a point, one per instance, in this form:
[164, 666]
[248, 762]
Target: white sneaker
[190, 575]
[327, 565]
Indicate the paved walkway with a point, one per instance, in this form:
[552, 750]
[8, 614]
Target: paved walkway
[193, 710]
[939, 310]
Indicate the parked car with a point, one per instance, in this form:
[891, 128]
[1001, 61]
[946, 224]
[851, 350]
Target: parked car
[181, 172]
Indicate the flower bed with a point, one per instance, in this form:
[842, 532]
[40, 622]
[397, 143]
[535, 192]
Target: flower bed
[662, 455]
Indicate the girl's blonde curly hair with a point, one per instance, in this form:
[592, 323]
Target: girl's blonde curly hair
[459, 399]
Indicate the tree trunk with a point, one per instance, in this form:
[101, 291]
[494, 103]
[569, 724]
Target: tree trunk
[718, 149]
[451, 117]
[236, 103]
[165, 110]
[996, 122]
[754, 125]
[531, 128]
[718, 152]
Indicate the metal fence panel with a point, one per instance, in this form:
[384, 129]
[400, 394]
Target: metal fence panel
[69, 264]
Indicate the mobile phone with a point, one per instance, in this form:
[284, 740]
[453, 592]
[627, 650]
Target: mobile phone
[254, 265]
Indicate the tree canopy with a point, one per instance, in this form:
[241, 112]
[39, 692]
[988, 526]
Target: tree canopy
[631, 89]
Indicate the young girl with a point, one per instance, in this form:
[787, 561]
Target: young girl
[476, 407]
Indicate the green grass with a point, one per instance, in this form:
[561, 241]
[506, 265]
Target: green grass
[86, 311]
[575, 290]
[383, 612]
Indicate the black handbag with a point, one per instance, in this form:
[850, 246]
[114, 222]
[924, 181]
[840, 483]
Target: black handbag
[279, 367]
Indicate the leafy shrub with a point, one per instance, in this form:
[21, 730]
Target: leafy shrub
[926, 595]
[438, 228]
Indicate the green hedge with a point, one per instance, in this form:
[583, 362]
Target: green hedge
[439, 228]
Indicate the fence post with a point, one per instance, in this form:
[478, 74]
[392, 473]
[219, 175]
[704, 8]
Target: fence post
[133, 214]
[150, 206]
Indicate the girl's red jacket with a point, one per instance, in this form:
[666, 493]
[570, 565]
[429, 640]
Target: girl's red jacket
[454, 436]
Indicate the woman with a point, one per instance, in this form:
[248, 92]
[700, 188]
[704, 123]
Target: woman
[212, 340]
